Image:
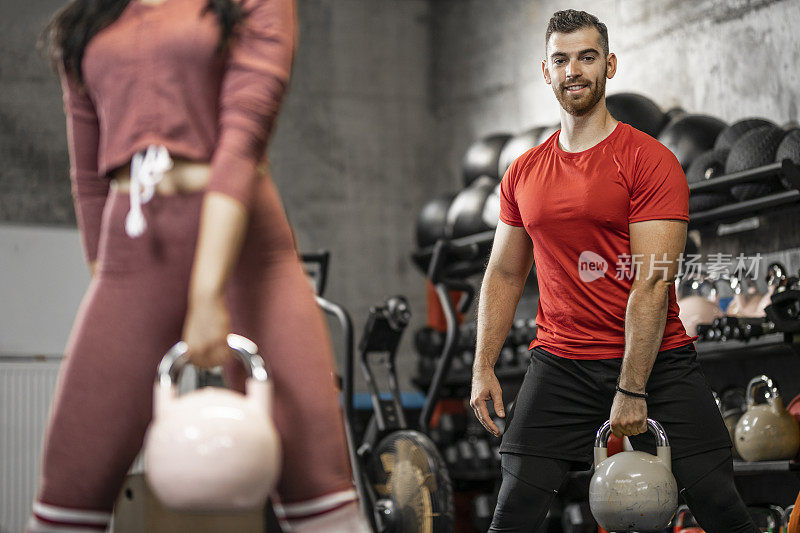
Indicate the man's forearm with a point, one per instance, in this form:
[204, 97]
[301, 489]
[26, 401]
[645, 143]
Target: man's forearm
[496, 307]
[645, 319]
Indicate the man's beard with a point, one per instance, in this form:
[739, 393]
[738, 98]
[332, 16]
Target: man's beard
[581, 106]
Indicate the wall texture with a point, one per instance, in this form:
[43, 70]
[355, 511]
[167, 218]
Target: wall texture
[353, 156]
[730, 59]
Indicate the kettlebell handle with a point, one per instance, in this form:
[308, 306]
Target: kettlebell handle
[758, 382]
[601, 440]
[663, 451]
[174, 361]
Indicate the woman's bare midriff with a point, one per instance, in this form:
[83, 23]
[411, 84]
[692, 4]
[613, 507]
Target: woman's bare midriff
[185, 176]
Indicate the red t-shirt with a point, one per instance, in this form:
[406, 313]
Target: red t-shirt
[576, 207]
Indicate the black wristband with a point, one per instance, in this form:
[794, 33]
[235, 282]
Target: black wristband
[630, 393]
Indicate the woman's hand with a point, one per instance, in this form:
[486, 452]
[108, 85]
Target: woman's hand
[223, 222]
[206, 330]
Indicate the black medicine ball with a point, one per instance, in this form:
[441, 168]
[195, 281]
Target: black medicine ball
[638, 111]
[789, 149]
[465, 215]
[688, 136]
[516, 146]
[710, 164]
[432, 220]
[483, 156]
[755, 148]
[732, 133]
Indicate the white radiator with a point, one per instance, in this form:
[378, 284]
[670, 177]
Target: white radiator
[26, 389]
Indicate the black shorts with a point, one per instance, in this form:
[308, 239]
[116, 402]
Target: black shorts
[563, 402]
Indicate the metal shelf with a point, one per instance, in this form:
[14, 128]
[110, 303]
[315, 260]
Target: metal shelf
[723, 183]
[745, 468]
[465, 255]
[755, 206]
[771, 345]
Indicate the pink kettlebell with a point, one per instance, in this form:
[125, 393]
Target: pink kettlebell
[212, 449]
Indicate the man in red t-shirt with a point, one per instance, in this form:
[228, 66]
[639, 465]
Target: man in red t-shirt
[602, 208]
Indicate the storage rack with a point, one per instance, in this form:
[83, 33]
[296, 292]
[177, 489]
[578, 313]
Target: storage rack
[785, 168]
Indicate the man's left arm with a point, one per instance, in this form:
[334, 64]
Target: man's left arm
[656, 245]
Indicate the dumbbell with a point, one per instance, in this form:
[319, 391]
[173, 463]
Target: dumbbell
[451, 458]
[704, 331]
[483, 453]
[457, 366]
[728, 328]
[507, 358]
[482, 511]
[450, 427]
[467, 458]
[517, 333]
[496, 455]
[525, 331]
[577, 518]
[467, 358]
[750, 330]
[467, 336]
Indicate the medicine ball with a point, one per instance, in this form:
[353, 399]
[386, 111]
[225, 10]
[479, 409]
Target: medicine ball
[755, 148]
[707, 165]
[638, 111]
[688, 136]
[465, 215]
[516, 146]
[732, 133]
[491, 208]
[789, 149]
[674, 113]
[547, 132]
[432, 220]
[483, 156]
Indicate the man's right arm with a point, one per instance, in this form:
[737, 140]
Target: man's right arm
[509, 265]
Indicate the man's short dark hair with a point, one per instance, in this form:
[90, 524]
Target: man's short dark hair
[570, 20]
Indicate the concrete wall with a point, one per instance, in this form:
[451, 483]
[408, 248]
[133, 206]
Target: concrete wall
[352, 155]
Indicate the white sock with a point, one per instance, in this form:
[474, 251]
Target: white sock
[347, 519]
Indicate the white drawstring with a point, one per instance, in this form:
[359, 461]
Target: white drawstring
[147, 169]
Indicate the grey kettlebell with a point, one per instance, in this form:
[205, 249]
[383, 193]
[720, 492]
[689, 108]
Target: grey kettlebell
[766, 432]
[633, 491]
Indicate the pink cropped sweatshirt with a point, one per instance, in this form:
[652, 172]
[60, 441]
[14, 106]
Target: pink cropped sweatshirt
[154, 79]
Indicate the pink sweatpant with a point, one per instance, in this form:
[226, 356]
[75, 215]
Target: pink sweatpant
[133, 313]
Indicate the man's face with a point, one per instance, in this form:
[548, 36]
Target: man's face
[577, 69]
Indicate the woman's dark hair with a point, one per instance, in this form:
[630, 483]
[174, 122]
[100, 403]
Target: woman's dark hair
[65, 37]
